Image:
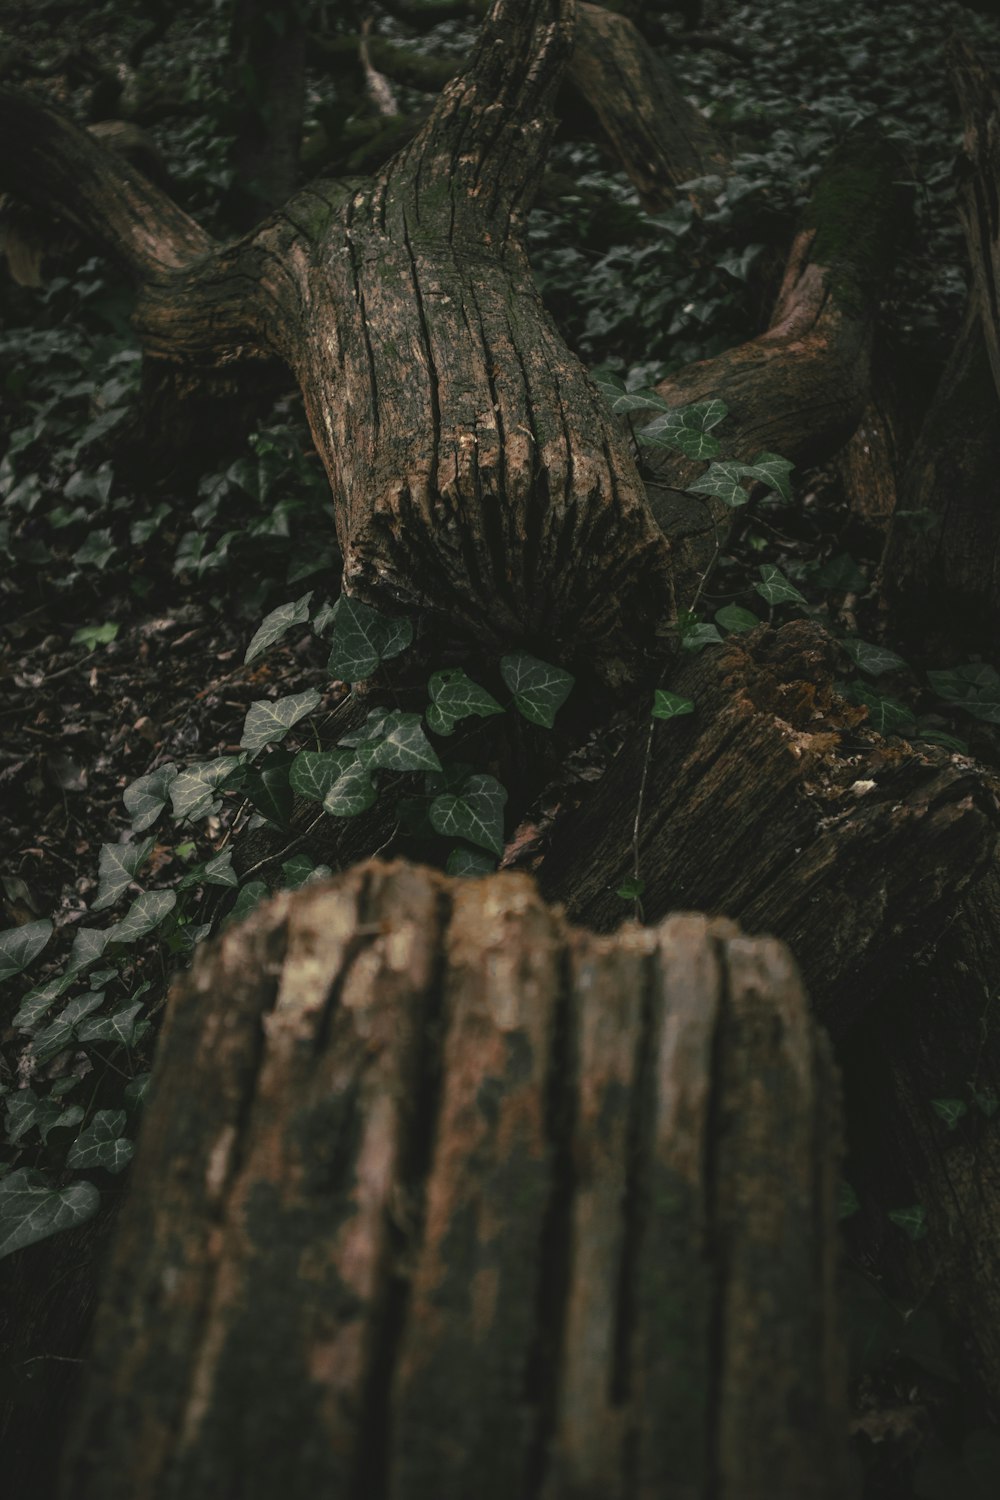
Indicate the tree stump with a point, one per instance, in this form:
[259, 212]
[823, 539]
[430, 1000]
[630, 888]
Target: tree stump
[437, 1197]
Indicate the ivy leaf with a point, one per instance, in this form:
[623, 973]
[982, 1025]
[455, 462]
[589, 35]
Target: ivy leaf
[687, 428]
[775, 587]
[59, 1034]
[695, 636]
[118, 1028]
[539, 689]
[269, 788]
[268, 722]
[950, 1110]
[885, 715]
[216, 871]
[277, 624]
[475, 813]
[841, 575]
[912, 1221]
[193, 793]
[732, 617]
[250, 897]
[974, 687]
[20, 946]
[669, 705]
[362, 638]
[872, 659]
[454, 697]
[353, 792]
[25, 1111]
[405, 747]
[723, 481]
[773, 470]
[934, 736]
[631, 888]
[117, 869]
[37, 1001]
[136, 1090]
[146, 798]
[314, 772]
[626, 401]
[374, 727]
[300, 868]
[470, 862]
[146, 913]
[323, 618]
[88, 945]
[102, 1144]
[31, 1209]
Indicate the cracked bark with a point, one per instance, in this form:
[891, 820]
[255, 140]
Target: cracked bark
[467, 1201]
[774, 806]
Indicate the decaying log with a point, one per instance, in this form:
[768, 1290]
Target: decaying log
[438, 1197]
[660, 138]
[799, 389]
[936, 1037]
[773, 805]
[476, 472]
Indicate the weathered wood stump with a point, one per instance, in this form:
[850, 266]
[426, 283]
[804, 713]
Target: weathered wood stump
[437, 1196]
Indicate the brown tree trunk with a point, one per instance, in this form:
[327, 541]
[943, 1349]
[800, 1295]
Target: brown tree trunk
[774, 805]
[438, 1197]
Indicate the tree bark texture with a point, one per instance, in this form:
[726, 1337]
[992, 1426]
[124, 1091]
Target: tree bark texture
[773, 805]
[438, 1197]
[937, 1037]
[475, 470]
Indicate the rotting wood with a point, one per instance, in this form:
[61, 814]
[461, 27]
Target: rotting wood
[442, 1197]
[774, 805]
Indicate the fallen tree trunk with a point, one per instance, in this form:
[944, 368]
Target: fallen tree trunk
[436, 1196]
[774, 805]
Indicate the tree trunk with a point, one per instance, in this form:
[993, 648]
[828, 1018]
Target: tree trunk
[437, 1196]
[774, 805]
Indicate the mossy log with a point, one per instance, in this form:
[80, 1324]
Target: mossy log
[924, 1095]
[437, 1197]
[774, 805]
